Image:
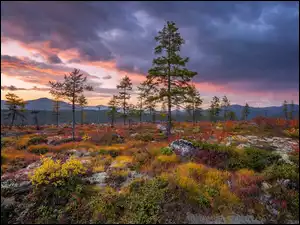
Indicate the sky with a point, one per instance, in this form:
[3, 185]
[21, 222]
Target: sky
[248, 51]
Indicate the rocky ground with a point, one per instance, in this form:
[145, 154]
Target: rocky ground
[15, 186]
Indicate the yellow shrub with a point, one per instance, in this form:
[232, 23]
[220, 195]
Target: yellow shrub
[98, 169]
[113, 147]
[87, 145]
[123, 173]
[245, 172]
[122, 161]
[167, 158]
[183, 176]
[191, 168]
[187, 183]
[53, 172]
[215, 178]
[225, 200]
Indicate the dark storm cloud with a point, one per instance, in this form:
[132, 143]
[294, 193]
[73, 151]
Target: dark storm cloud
[226, 41]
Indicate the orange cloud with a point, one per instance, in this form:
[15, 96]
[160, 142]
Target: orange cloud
[35, 72]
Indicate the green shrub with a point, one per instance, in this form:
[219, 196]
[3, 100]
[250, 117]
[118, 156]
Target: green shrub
[252, 158]
[37, 140]
[145, 137]
[293, 204]
[215, 147]
[203, 201]
[107, 206]
[166, 151]
[282, 171]
[112, 152]
[257, 159]
[38, 149]
[144, 201]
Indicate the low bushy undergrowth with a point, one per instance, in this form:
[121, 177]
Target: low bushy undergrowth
[282, 171]
[37, 140]
[38, 149]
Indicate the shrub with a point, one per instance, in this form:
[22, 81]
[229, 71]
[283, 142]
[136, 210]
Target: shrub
[100, 162]
[54, 182]
[144, 201]
[166, 151]
[252, 158]
[37, 140]
[141, 157]
[212, 158]
[282, 171]
[107, 206]
[196, 130]
[122, 161]
[86, 137]
[246, 183]
[87, 145]
[145, 137]
[292, 132]
[257, 159]
[38, 149]
[64, 141]
[215, 178]
[167, 158]
[22, 143]
[7, 141]
[186, 176]
[112, 152]
[56, 173]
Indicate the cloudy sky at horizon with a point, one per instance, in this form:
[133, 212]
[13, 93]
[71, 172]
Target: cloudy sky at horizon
[248, 51]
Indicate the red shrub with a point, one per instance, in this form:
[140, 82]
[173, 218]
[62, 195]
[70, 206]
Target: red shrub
[211, 158]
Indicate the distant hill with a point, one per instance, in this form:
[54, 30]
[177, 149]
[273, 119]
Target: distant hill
[45, 105]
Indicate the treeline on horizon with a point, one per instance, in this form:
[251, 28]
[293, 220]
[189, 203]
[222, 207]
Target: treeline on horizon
[168, 84]
[92, 116]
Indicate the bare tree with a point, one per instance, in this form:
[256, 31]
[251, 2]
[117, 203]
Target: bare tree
[16, 107]
[70, 89]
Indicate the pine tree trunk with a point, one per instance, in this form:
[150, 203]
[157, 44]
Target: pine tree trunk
[112, 120]
[81, 116]
[194, 118]
[169, 102]
[141, 115]
[37, 122]
[73, 124]
[57, 119]
[124, 112]
[12, 120]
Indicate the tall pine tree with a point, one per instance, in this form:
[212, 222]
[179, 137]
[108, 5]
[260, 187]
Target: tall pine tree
[169, 73]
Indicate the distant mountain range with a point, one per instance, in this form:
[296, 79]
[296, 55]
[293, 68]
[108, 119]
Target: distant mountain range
[46, 104]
